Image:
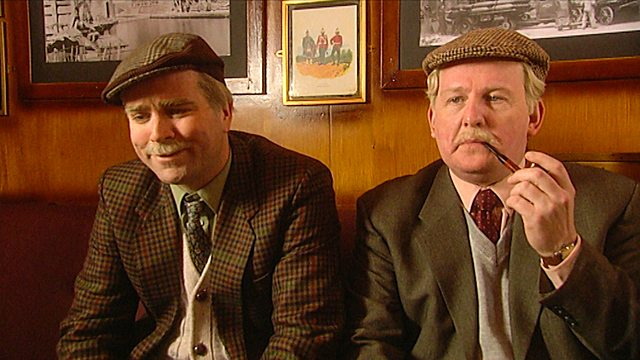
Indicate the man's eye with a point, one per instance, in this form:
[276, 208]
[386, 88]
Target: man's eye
[177, 112]
[139, 118]
[494, 98]
[455, 100]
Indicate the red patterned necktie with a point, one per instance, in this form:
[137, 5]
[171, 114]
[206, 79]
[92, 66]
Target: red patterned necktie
[197, 238]
[486, 212]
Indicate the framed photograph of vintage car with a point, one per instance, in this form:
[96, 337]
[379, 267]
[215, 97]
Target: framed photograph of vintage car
[324, 51]
[599, 44]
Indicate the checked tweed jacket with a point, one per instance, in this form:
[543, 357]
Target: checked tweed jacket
[275, 284]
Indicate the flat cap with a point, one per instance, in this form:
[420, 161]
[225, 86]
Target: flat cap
[489, 43]
[174, 51]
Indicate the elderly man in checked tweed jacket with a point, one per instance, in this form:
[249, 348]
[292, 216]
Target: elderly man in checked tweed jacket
[269, 287]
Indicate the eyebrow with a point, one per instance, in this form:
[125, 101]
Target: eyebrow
[169, 103]
[176, 102]
[487, 90]
[135, 108]
[498, 88]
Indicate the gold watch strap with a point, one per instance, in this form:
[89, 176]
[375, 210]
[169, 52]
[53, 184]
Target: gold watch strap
[560, 255]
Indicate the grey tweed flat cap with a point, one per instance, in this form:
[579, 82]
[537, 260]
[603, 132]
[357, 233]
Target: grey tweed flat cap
[174, 51]
[489, 43]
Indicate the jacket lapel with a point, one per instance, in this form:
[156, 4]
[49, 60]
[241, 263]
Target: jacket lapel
[232, 245]
[158, 242]
[444, 237]
[524, 275]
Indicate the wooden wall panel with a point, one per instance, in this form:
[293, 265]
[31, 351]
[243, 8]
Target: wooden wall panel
[57, 151]
[591, 117]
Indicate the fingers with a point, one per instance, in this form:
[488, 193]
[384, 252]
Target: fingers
[552, 166]
[541, 186]
[549, 175]
[544, 196]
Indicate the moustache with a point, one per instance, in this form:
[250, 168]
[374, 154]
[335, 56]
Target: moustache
[474, 134]
[164, 148]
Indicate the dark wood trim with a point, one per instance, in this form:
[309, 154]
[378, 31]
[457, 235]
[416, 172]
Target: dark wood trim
[599, 157]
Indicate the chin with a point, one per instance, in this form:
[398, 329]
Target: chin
[472, 169]
[472, 163]
[486, 175]
[170, 176]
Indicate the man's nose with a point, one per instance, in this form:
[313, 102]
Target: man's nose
[161, 128]
[473, 114]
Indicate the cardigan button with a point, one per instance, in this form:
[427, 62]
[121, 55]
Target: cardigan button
[202, 295]
[200, 349]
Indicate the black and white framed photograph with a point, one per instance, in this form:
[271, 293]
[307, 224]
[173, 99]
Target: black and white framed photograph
[586, 39]
[76, 44]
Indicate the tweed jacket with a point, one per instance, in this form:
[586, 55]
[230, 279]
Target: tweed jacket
[412, 292]
[275, 287]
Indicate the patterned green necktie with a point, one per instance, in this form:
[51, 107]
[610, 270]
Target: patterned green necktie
[197, 238]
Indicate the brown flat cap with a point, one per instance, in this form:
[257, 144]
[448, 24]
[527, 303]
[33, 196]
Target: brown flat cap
[489, 43]
[167, 52]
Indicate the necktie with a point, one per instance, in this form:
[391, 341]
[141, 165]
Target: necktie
[486, 212]
[197, 238]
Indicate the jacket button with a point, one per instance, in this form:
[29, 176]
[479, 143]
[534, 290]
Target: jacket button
[200, 349]
[202, 295]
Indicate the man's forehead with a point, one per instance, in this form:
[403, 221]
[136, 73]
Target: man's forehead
[483, 70]
[483, 76]
[488, 62]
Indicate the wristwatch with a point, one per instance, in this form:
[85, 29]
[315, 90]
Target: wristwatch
[560, 255]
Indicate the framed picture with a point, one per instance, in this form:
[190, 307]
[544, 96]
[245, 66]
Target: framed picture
[75, 46]
[607, 49]
[324, 51]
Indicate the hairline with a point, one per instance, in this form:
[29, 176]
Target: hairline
[215, 92]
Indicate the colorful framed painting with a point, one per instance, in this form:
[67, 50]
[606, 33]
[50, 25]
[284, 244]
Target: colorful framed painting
[324, 51]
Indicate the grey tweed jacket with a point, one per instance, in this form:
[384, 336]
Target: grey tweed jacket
[412, 291]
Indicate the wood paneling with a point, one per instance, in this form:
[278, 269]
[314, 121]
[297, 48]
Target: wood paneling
[591, 117]
[57, 151]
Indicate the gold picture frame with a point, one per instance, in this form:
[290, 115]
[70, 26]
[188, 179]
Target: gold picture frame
[3, 67]
[324, 51]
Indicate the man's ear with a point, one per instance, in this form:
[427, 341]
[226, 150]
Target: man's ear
[430, 118]
[536, 118]
[227, 115]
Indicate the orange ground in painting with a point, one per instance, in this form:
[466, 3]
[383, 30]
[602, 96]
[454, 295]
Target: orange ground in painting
[324, 71]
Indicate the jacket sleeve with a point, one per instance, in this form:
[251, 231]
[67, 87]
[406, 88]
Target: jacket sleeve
[99, 323]
[308, 305]
[599, 301]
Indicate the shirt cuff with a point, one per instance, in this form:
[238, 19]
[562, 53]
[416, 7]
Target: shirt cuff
[558, 274]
